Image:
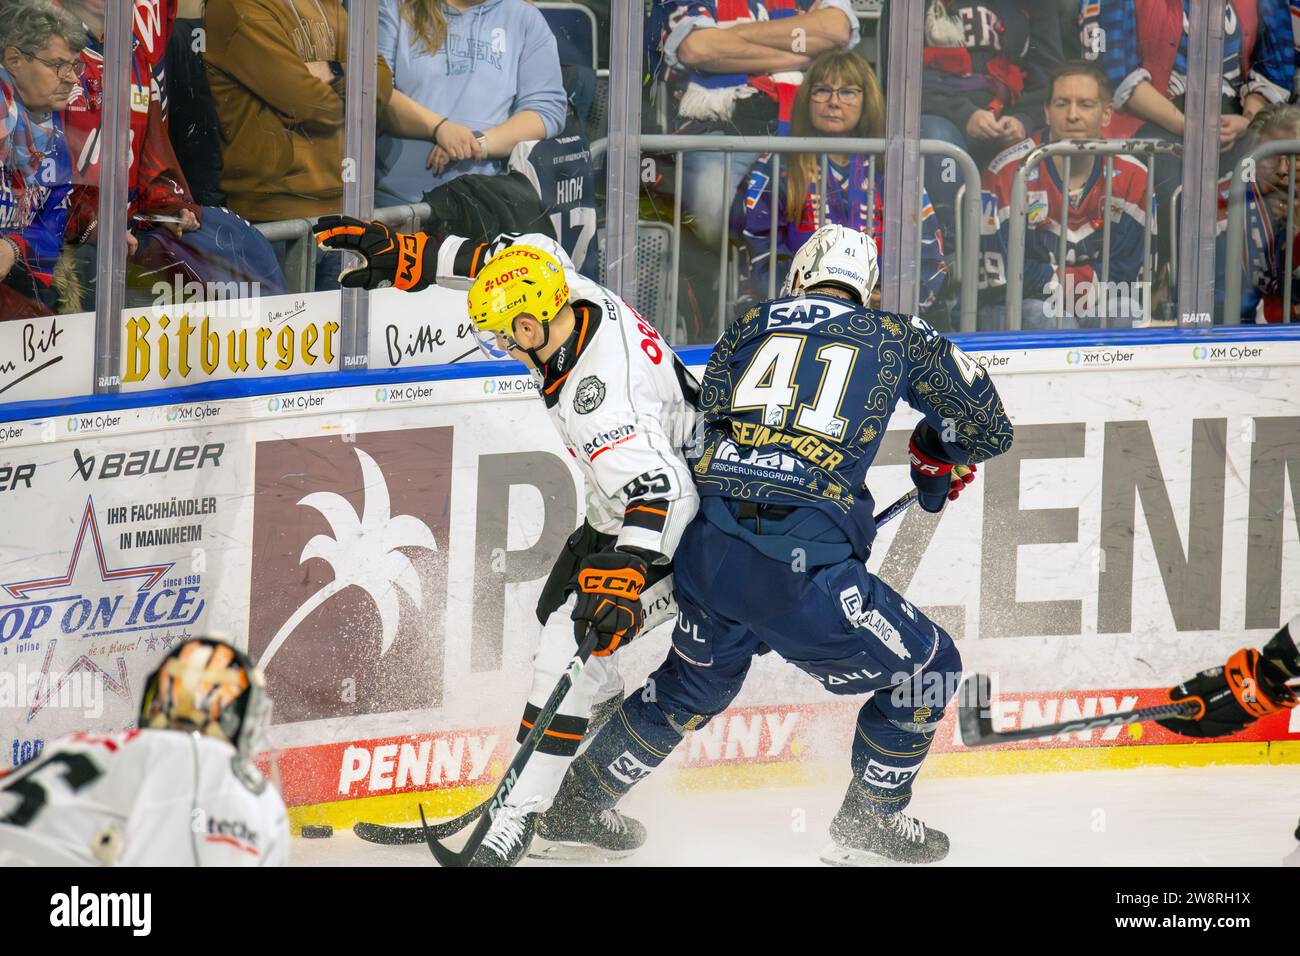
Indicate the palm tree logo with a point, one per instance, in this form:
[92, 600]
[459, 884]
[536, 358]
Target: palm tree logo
[363, 553]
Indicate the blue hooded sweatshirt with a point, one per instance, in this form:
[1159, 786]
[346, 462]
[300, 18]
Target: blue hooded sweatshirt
[499, 58]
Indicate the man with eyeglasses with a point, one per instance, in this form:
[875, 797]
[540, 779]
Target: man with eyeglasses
[39, 47]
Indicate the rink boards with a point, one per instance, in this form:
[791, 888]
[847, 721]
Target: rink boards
[381, 546]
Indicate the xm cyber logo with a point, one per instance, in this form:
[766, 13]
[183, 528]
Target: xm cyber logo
[873, 621]
[95, 598]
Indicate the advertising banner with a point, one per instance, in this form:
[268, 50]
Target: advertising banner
[380, 549]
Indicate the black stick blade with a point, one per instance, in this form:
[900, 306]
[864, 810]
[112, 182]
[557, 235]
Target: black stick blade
[973, 715]
[444, 856]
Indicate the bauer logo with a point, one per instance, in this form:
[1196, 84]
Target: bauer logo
[156, 461]
[349, 571]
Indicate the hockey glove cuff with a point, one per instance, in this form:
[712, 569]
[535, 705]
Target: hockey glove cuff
[609, 599]
[406, 261]
[931, 475]
[1231, 697]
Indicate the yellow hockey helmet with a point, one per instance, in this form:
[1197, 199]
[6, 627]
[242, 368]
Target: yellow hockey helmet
[520, 280]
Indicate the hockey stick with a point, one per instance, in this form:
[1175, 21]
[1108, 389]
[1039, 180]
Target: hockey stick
[391, 835]
[977, 724]
[461, 858]
[452, 858]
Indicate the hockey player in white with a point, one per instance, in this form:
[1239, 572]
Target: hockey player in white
[180, 791]
[623, 405]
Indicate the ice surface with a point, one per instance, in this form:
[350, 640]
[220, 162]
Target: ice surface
[1217, 816]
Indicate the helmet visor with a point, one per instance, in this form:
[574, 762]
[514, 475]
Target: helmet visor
[495, 346]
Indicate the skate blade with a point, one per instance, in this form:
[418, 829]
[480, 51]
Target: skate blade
[561, 852]
[836, 855]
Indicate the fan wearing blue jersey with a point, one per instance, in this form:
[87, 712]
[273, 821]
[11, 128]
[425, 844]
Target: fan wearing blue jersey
[797, 396]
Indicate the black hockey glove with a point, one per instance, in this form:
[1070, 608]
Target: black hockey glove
[563, 579]
[1233, 696]
[402, 260]
[609, 599]
[936, 480]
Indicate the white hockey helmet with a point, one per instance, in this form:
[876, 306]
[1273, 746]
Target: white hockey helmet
[838, 255]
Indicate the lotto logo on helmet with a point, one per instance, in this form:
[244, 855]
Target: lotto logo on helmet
[494, 281]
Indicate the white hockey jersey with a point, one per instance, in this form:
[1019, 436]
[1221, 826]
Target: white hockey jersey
[140, 798]
[621, 400]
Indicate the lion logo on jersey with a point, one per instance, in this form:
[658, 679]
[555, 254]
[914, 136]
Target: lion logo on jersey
[589, 395]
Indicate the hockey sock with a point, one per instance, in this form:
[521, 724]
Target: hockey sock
[888, 753]
[634, 741]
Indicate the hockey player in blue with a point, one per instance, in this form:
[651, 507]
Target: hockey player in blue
[796, 398]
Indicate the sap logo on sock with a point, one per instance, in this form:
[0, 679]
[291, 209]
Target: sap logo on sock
[103, 909]
[873, 621]
[628, 769]
[891, 778]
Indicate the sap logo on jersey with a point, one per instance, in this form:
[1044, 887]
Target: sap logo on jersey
[628, 769]
[873, 621]
[891, 778]
[805, 313]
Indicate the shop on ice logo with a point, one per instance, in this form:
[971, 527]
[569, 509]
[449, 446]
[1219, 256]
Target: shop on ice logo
[93, 598]
[141, 606]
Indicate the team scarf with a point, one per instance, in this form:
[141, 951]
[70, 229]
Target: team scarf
[713, 96]
[30, 149]
[1232, 76]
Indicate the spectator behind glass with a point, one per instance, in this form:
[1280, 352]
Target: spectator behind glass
[840, 96]
[1079, 108]
[276, 71]
[1142, 45]
[170, 237]
[984, 81]
[39, 59]
[732, 70]
[1265, 221]
[487, 73]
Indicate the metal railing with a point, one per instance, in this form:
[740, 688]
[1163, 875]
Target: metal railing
[1235, 240]
[778, 145]
[300, 257]
[1019, 211]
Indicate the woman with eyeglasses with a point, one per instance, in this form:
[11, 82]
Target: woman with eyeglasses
[839, 97]
[172, 241]
[39, 46]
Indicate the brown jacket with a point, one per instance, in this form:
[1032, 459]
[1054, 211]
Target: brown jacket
[282, 128]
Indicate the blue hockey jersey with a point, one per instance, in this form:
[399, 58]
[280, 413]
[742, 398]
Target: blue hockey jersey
[560, 169]
[797, 394]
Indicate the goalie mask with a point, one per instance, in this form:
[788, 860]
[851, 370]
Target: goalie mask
[208, 686]
[837, 255]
